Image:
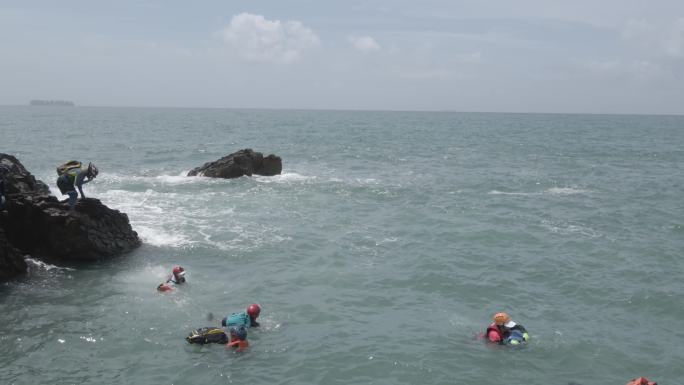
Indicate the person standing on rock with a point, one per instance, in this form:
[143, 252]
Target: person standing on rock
[73, 178]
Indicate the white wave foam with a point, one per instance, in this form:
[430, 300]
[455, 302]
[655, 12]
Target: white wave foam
[164, 179]
[180, 211]
[159, 237]
[181, 178]
[284, 178]
[564, 191]
[571, 229]
[45, 266]
[497, 192]
[551, 191]
[149, 275]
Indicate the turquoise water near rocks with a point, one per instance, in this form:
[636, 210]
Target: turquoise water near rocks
[386, 244]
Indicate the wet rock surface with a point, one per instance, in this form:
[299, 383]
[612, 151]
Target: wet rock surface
[35, 223]
[240, 163]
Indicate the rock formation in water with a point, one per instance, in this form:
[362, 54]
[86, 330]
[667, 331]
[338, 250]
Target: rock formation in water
[243, 162]
[36, 223]
[12, 261]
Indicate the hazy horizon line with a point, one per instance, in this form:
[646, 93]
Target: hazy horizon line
[342, 110]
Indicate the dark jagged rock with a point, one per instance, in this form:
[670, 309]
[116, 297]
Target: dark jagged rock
[12, 262]
[42, 226]
[36, 223]
[243, 162]
[18, 180]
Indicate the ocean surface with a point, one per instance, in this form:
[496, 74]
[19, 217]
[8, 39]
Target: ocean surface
[379, 254]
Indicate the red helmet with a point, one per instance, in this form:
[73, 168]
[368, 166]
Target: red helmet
[253, 310]
[178, 270]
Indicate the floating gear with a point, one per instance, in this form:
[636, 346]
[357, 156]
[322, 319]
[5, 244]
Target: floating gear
[208, 335]
[164, 287]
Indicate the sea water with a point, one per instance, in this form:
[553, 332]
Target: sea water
[378, 255]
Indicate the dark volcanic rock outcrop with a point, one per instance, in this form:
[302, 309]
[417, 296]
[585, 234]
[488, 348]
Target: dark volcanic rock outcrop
[12, 261]
[243, 162]
[36, 223]
[18, 180]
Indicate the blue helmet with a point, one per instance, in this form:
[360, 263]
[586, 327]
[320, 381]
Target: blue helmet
[239, 332]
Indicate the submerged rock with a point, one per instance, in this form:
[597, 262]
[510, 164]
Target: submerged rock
[38, 224]
[243, 162]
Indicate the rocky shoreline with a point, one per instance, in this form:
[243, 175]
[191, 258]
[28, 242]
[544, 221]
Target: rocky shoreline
[35, 223]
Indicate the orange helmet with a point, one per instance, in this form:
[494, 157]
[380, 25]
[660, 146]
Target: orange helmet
[501, 318]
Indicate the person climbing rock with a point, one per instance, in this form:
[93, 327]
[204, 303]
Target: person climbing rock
[71, 177]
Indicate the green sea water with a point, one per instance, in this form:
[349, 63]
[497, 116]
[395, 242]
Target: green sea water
[381, 251]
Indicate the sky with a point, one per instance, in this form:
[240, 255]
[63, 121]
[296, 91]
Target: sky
[580, 56]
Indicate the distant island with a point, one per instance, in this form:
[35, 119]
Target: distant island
[51, 103]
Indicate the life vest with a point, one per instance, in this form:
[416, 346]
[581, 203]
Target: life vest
[207, 335]
[239, 319]
[238, 345]
[495, 329]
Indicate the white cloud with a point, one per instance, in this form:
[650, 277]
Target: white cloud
[364, 43]
[261, 40]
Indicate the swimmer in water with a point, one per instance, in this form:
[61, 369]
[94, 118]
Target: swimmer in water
[246, 318]
[506, 332]
[176, 278]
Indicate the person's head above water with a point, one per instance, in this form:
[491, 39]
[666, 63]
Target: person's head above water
[179, 273]
[503, 320]
[254, 310]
